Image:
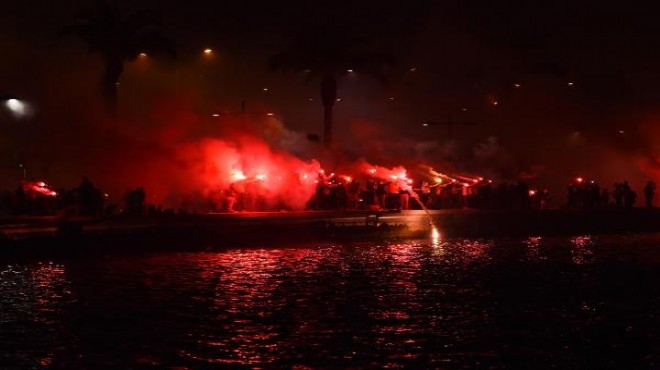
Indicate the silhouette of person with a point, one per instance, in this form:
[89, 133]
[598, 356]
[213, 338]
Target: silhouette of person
[649, 193]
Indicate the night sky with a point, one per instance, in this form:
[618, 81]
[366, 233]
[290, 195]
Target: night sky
[558, 89]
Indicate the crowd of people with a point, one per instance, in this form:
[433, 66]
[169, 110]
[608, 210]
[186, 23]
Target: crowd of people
[36, 198]
[589, 194]
[331, 193]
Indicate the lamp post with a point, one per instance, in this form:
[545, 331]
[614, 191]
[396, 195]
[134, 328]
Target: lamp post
[18, 108]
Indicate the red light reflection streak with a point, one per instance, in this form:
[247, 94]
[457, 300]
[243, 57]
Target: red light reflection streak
[533, 244]
[582, 249]
[249, 282]
[35, 294]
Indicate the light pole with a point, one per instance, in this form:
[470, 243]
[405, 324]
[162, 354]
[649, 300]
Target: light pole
[18, 108]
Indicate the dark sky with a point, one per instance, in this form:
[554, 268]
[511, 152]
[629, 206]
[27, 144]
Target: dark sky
[466, 55]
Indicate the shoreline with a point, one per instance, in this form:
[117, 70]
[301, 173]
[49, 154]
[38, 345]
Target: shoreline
[52, 236]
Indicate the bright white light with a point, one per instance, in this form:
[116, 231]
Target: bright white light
[270, 114]
[435, 237]
[16, 106]
[349, 71]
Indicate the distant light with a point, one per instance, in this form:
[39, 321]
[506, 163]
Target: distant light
[265, 89]
[438, 180]
[496, 102]
[338, 99]
[208, 51]
[143, 55]
[622, 132]
[216, 114]
[307, 70]
[391, 98]
[464, 109]
[311, 99]
[349, 70]
[571, 84]
[425, 124]
[516, 85]
[532, 192]
[579, 179]
[16, 106]
[413, 69]
[270, 114]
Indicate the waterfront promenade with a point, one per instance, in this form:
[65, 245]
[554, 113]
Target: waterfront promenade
[238, 229]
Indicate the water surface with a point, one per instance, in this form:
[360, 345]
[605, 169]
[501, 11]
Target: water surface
[584, 302]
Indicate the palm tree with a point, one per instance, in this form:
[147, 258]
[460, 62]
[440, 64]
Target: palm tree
[118, 39]
[328, 53]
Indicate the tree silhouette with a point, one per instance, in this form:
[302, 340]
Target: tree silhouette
[118, 38]
[328, 52]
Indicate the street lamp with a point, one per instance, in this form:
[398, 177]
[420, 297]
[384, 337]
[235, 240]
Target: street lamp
[17, 107]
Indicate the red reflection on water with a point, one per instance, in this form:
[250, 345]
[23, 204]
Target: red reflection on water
[246, 296]
[581, 251]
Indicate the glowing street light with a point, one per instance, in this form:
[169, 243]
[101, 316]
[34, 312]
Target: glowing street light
[208, 51]
[143, 55]
[18, 108]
